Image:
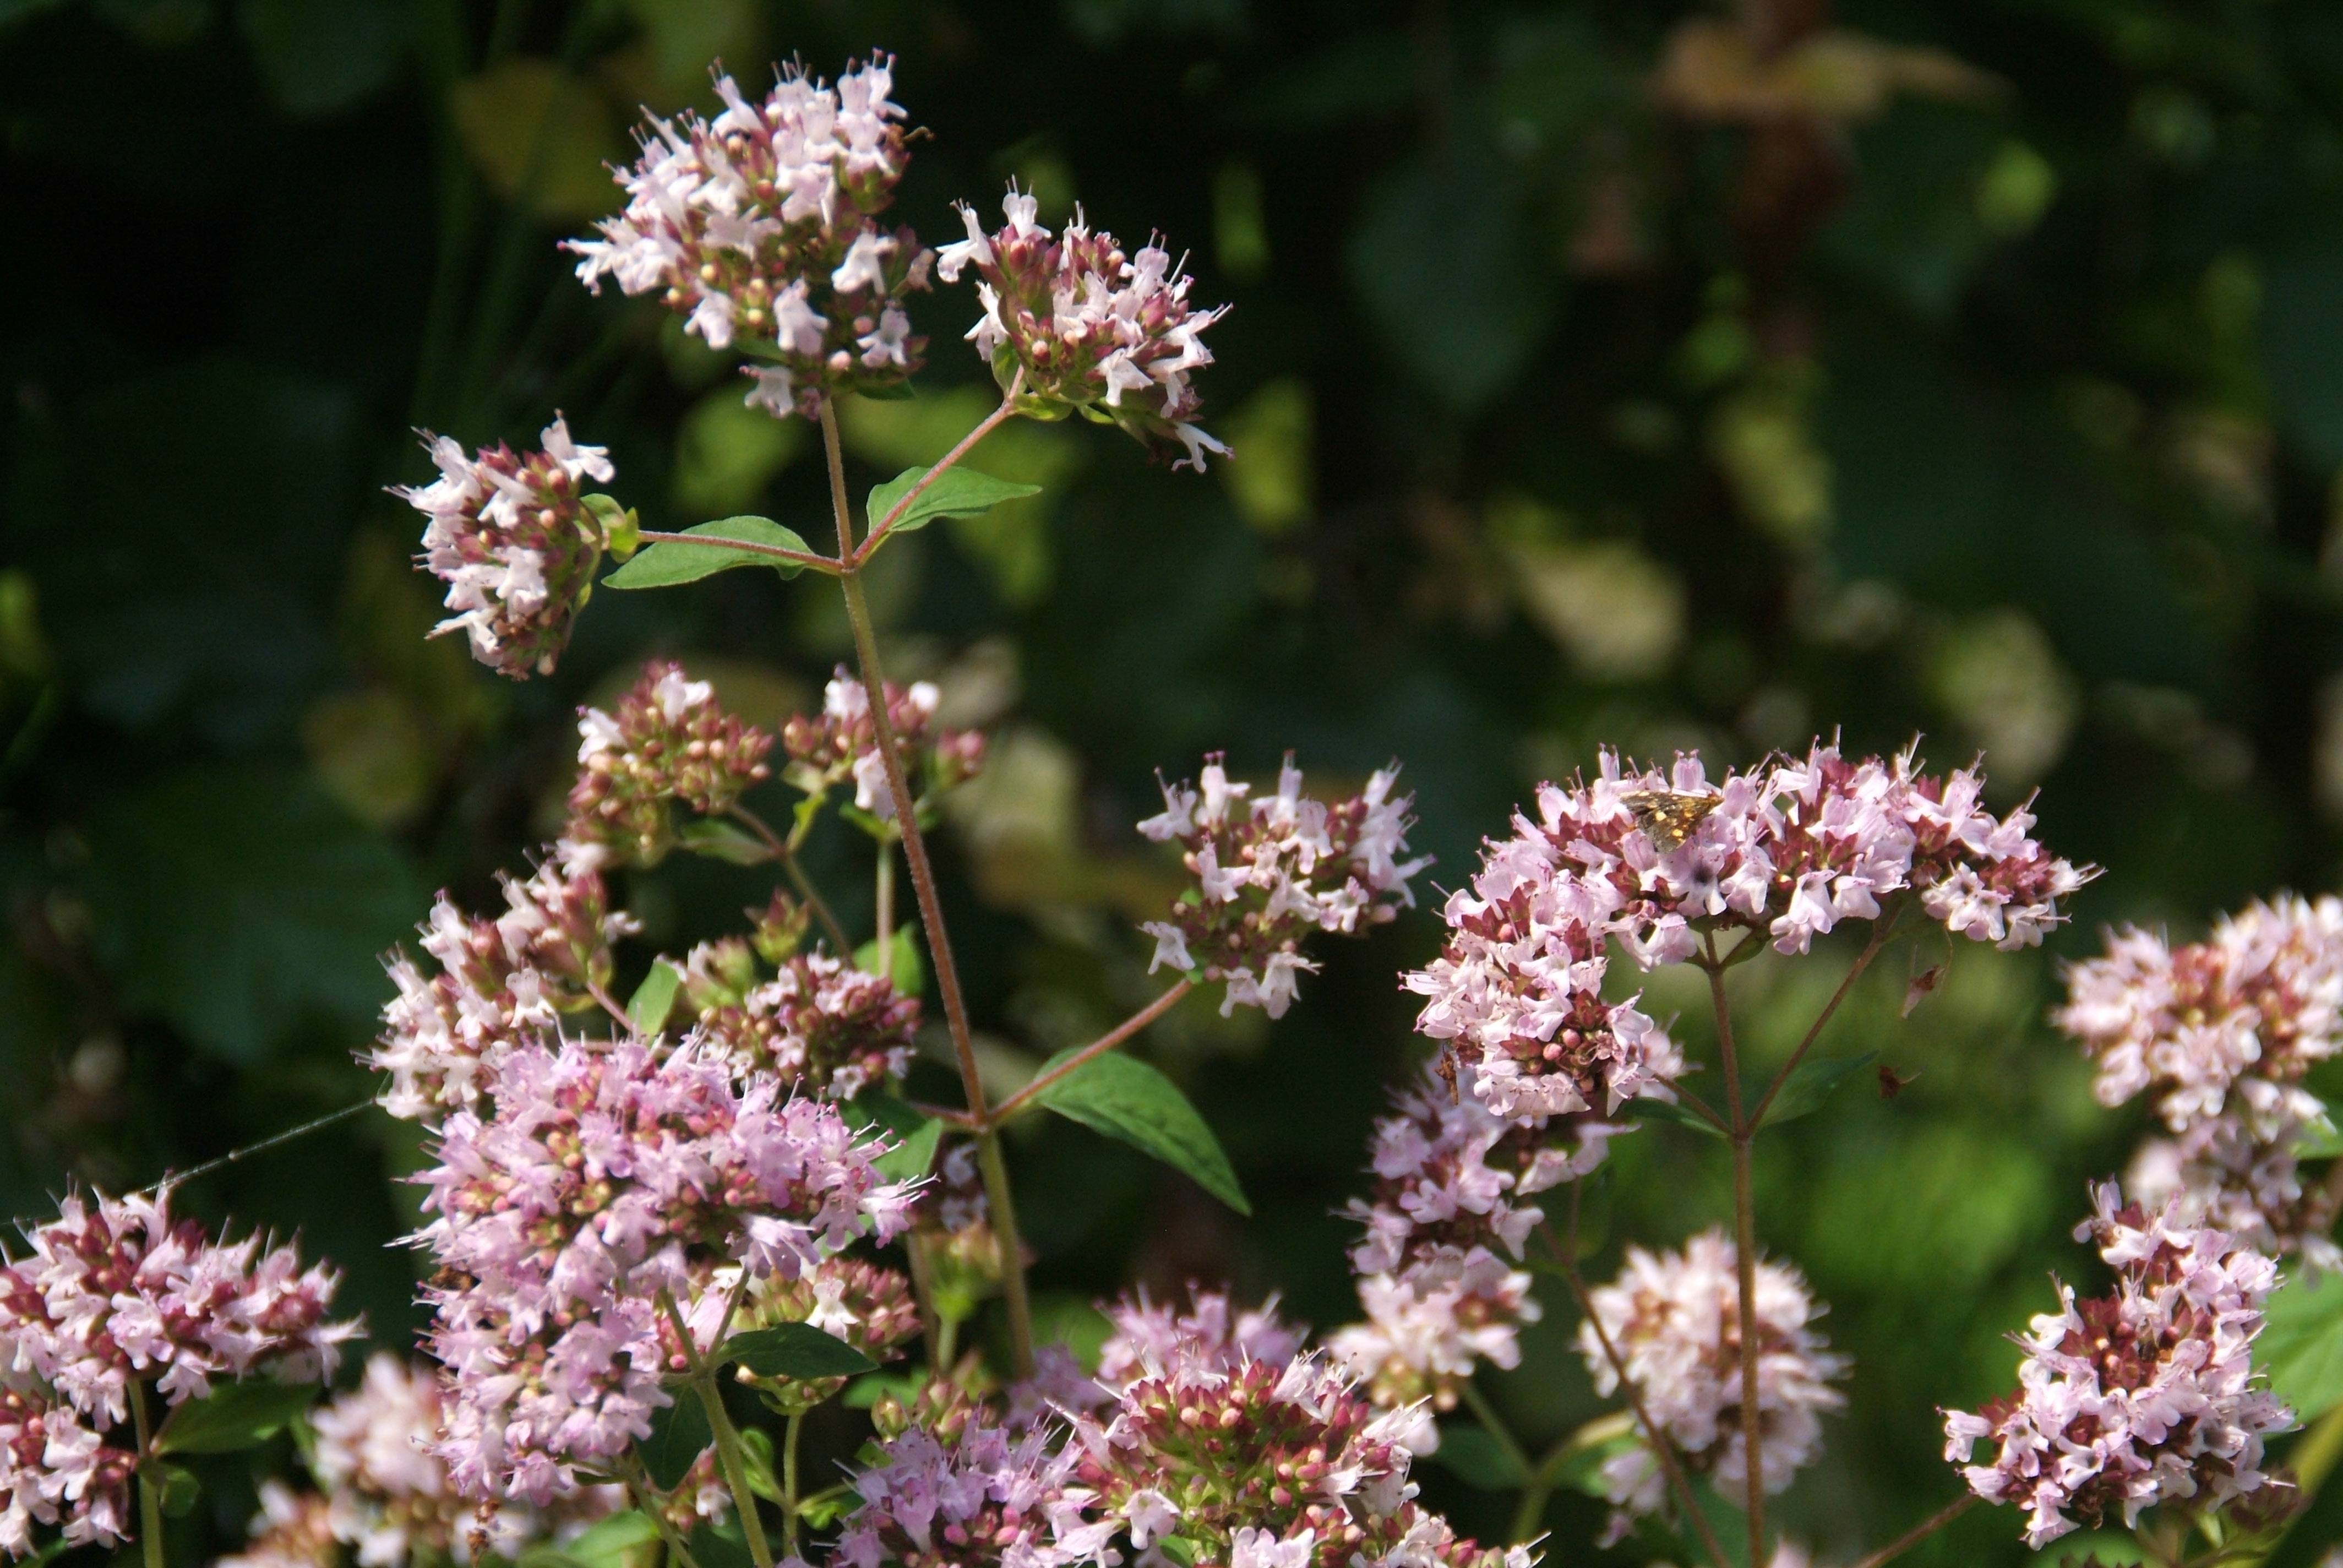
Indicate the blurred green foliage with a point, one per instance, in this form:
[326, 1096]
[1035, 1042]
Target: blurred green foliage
[1600, 372]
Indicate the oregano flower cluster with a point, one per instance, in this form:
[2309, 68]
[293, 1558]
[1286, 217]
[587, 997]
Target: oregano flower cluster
[841, 743]
[1270, 870]
[668, 742]
[760, 227]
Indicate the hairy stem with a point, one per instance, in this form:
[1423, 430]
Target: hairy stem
[932, 910]
[150, 1497]
[790, 1483]
[1920, 1532]
[736, 1469]
[1661, 1449]
[1097, 1048]
[648, 1500]
[1745, 1236]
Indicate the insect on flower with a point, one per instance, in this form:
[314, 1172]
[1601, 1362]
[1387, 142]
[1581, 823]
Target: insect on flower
[1670, 816]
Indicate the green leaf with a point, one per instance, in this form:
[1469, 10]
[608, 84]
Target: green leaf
[1683, 1116]
[1473, 1453]
[2302, 1346]
[176, 1484]
[957, 493]
[1178, 1548]
[821, 1512]
[721, 1545]
[237, 1415]
[908, 973]
[1578, 1463]
[864, 1392]
[726, 841]
[757, 1460]
[1127, 1100]
[668, 563]
[916, 1135]
[679, 1434]
[1812, 1083]
[611, 1541]
[654, 998]
[2320, 1141]
[797, 1350]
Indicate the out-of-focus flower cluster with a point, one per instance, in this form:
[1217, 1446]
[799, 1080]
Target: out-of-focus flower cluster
[512, 536]
[1673, 1318]
[1787, 851]
[819, 1022]
[669, 741]
[115, 1292]
[1448, 1209]
[1093, 330]
[1270, 870]
[499, 986]
[760, 226]
[2145, 1396]
[601, 1180]
[954, 1245]
[2220, 1033]
[843, 743]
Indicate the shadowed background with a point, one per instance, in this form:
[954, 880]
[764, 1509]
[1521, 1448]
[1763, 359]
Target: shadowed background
[1619, 374]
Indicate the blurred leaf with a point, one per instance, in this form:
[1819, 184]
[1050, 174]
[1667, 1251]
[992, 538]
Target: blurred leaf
[654, 998]
[2302, 1346]
[234, 1416]
[177, 1485]
[727, 453]
[1682, 1116]
[2302, 340]
[1804, 1090]
[958, 492]
[1468, 1451]
[679, 1434]
[614, 1542]
[1272, 430]
[726, 841]
[320, 55]
[1435, 258]
[915, 1156]
[669, 562]
[373, 754]
[1578, 1464]
[721, 1545]
[237, 902]
[1127, 1100]
[906, 968]
[916, 1136]
[797, 1350]
[534, 131]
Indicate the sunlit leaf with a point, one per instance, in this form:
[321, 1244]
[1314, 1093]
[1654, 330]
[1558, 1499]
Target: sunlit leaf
[1127, 1100]
[670, 562]
[2302, 1345]
[957, 493]
[795, 1350]
[654, 998]
[235, 1415]
[1470, 1452]
[905, 968]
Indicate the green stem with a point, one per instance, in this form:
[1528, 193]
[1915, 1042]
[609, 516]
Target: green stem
[703, 1377]
[785, 850]
[651, 1501]
[883, 899]
[1744, 1232]
[1920, 1532]
[790, 1483]
[879, 525]
[1097, 1048]
[932, 910]
[1881, 929]
[947, 1342]
[1013, 1252]
[1534, 1492]
[150, 1500]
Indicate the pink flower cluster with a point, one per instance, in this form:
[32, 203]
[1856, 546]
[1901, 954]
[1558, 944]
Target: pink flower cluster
[512, 537]
[843, 743]
[1270, 870]
[2138, 1398]
[1788, 850]
[114, 1293]
[1674, 1320]
[969, 1494]
[1212, 1334]
[820, 1024]
[760, 225]
[2221, 1032]
[501, 986]
[669, 741]
[603, 1179]
[2227, 1024]
[1091, 328]
[1446, 1212]
[1262, 1463]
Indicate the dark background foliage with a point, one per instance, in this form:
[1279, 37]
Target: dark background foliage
[1602, 374]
